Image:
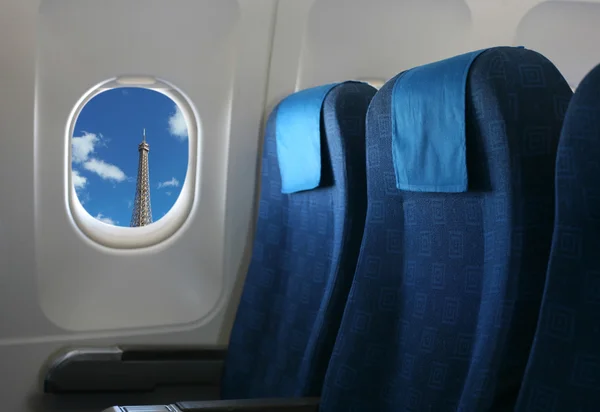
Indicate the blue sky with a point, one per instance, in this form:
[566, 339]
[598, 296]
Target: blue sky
[105, 152]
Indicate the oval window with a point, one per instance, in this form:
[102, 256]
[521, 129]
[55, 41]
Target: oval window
[130, 151]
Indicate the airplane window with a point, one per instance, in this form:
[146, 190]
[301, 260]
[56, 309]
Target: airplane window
[129, 156]
[132, 164]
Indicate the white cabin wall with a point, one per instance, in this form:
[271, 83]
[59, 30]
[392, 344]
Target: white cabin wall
[27, 334]
[567, 33]
[320, 41]
[17, 57]
[84, 287]
[285, 45]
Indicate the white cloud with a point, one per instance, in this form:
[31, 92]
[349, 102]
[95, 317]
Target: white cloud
[129, 204]
[106, 219]
[169, 183]
[177, 124]
[78, 181]
[105, 170]
[83, 146]
[168, 193]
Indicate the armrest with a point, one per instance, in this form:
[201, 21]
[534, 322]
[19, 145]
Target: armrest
[132, 368]
[242, 405]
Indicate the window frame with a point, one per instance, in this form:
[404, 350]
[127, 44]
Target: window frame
[119, 237]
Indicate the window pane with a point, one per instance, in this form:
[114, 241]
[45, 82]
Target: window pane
[129, 156]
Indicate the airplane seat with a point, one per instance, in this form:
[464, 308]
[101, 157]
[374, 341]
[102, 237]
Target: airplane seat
[460, 165]
[563, 373]
[310, 225]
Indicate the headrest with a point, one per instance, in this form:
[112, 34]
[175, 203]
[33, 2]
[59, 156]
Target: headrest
[429, 126]
[298, 138]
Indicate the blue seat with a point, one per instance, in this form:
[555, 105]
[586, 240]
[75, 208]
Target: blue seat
[305, 248]
[448, 286]
[563, 373]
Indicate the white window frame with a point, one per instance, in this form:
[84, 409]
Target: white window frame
[116, 237]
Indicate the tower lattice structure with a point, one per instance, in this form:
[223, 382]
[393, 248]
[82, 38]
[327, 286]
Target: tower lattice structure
[142, 210]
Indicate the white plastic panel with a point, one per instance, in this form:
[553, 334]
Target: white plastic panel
[233, 93]
[321, 41]
[378, 38]
[567, 32]
[83, 286]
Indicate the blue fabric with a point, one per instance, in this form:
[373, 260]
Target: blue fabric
[563, 373]
[298, 136]
[446, 295]
[303, 260]
[428, 126]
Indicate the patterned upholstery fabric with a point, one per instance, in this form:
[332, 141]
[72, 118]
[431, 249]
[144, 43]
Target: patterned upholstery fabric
[446, 296]
[563, 373]
[303, 261]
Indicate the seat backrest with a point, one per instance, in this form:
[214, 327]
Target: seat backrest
[448, 285]
[563, 373]
[306, 244]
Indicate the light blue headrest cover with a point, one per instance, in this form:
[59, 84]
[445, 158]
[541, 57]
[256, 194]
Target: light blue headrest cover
[429, 126]
[298, 138]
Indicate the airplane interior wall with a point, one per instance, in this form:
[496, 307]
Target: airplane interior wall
[233, 60]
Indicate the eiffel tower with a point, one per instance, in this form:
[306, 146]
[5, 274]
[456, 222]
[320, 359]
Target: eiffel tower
[142, 211]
